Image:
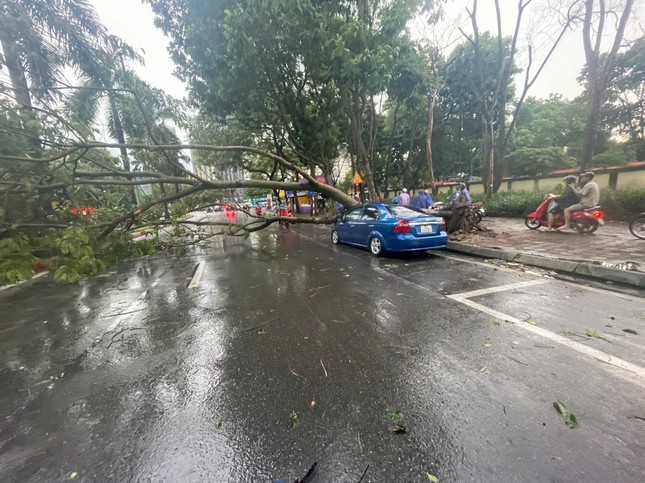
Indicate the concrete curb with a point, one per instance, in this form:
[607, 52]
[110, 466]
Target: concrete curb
[586, 269]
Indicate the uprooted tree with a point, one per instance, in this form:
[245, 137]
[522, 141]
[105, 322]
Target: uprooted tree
[43, 194]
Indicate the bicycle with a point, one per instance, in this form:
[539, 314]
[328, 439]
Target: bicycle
[637, 226]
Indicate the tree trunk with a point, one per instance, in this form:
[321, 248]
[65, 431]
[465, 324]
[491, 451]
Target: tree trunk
[599, 68]
[16, 74]
[354, 113]
[120, 137]
[499, 149]
[432, 102]
[489, 153]
[591, 127]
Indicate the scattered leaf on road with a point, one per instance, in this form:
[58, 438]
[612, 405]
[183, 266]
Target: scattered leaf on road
[73, 475]
[293, 419]
[532, 322]
[433, 478]
[596, 335]
[495, 322]
[630, 331]
[262, 331]
[218, 424]
[395, 415]
[569, 419]
[488, 346]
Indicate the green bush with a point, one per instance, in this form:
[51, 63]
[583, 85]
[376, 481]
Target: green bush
[70, 254]
[512, 203]
[616, 204]
[622, 204]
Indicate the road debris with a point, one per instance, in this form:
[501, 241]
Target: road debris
[569, 418]
[293, 419]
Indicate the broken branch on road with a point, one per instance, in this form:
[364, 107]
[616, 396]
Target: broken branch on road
[257, 326]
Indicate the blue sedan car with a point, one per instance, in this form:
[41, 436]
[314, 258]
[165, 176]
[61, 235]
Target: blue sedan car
[391, 228]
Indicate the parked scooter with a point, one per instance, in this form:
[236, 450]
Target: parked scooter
[637, 226]
[584, 221]
[477, 210]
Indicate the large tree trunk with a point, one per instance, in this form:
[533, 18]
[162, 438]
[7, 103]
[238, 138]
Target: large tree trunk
[21, 93]
[16, 74]
[354, 112]
[432, 102]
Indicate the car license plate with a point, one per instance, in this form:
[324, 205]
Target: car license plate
[427, 229]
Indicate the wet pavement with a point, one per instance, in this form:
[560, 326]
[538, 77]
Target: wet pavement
[612, 243]
[251, 360]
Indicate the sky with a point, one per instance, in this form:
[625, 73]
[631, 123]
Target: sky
[133, 21]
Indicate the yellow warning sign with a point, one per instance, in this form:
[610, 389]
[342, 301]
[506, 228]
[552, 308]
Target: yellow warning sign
[357, 178]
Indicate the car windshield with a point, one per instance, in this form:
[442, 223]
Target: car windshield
[405, 211]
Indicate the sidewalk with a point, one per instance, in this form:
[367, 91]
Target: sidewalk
[611, 253]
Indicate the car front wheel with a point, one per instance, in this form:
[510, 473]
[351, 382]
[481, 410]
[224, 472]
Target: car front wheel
[335, 238]
[376, 247]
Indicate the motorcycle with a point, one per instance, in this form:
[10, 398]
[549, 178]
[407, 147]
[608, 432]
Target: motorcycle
[584, 221]
[477, 212]
[637, 226]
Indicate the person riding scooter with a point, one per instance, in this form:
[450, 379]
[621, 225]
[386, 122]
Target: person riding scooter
[589, 194]
[559, 203]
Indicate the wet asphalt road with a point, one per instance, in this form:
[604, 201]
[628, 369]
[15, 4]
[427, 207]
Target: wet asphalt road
[137, 376]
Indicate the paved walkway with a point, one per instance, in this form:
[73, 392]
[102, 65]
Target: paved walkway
[612, 244]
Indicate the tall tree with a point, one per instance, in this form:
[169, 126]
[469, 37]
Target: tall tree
[600, 67]
[40, 37]
[313, 69]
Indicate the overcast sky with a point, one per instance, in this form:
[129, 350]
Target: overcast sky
[133, 21]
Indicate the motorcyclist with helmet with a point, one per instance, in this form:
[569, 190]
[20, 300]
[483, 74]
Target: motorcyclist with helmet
[589, 194]
[559, 203]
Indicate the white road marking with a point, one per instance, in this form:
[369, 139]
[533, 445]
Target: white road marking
[197, 277]
[632, 298]
[633, 369]
[436, 253]
[501, 288]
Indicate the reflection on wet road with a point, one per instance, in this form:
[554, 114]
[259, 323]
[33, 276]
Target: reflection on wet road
[249, 360]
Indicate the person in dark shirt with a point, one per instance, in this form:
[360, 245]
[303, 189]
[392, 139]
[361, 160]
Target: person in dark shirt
[568, 198]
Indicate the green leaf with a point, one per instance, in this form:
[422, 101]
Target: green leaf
[395, 415]
[488, 346]
[597, 335]
[569, 418]
[433, 478]
[218, 424]
[67, 274]
[293, 419]
[73, 475]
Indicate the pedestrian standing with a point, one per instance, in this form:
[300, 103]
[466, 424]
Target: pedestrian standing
[404, 197]
[420, 201]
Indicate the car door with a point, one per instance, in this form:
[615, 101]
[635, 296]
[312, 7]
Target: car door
[367, 224]
[349, 225]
